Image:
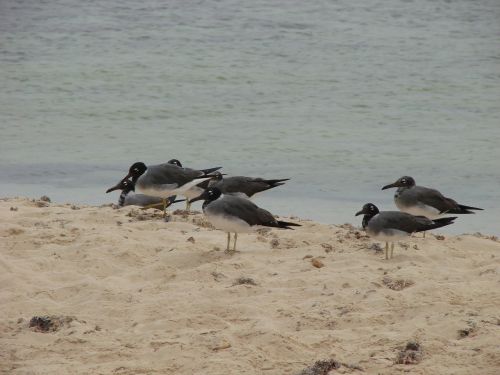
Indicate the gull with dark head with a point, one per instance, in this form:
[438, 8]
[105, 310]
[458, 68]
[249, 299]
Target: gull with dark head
[420, 200]
[234, 214]
[166, 180]
[128, 197]
[390, 226]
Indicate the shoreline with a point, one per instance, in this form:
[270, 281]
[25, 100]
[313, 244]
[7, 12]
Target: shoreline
[136, 294]
[275, 203]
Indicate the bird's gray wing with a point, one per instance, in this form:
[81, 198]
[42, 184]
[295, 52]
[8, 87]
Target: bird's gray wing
[402, 221]
[241, 184]
[243, 209]
[169, 174]
[434, 198]
[193, 173]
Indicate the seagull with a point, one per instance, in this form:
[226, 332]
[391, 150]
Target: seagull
[235, 214]
[128, 197]
[419, 200]
[389, 226]
[166, 180]
[243, 186]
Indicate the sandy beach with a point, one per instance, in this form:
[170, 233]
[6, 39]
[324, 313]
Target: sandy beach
[129, 293]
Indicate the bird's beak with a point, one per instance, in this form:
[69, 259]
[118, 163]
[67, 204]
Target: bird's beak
[116, 187]
[195, 199]
[199, 198]
[359, 213]
[177, 201]
[395, 184]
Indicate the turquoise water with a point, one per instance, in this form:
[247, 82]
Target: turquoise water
[341, 96]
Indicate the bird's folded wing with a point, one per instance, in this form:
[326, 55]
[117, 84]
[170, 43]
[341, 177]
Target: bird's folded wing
[434, 198]
[404, 221]
[241, 184]
[166, 174]
[240, 208]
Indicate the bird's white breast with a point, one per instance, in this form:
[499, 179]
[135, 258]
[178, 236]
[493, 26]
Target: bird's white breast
[388, 235]
[228, 223]
[420, 210]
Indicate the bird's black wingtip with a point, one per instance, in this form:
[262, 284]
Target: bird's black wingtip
[468, 208]
[438, 223]
[464, 210]
[445, 219]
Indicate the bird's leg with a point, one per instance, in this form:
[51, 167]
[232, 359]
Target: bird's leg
[424, 233]
[188, 205]
[235, 238]
[228, 240]
[164, 207]
[392, 248]
[387, 250]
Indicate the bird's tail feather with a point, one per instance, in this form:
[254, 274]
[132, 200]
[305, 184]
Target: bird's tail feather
[438, 223]
[462, 209]
[276, 182]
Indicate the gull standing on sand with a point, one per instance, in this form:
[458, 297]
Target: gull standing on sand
[245, 187]
[419, 200]
[128, 197]
[166, 180]
[390, 226]
[235, 214]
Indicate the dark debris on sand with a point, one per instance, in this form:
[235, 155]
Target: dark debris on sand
[274, 243]
[327, 247]
[397, 284]
[50, 323]
[321, 368]
[469, 331]
[410, 355]
[244, 281]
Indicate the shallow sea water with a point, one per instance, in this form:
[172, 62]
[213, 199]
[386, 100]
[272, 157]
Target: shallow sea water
[343, 97]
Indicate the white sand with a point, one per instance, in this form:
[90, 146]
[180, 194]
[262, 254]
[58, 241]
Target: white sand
[147, 300]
